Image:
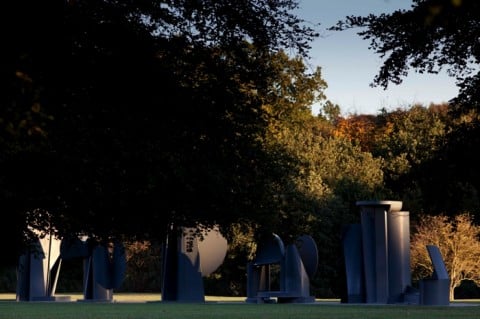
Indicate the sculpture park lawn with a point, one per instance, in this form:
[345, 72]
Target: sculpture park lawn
[227, 308]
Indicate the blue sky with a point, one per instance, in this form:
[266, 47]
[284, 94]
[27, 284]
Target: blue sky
[348, 66]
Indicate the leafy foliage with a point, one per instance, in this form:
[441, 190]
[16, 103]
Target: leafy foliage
[408, 138]
[143, 271]
[433, 35]
[430, 36]
[123, 117]
[459, 243]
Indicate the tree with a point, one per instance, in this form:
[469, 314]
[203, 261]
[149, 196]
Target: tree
[324, 174]
[434, 35]
[143, 267]
[459, 243]
[449, 178]
[84, 94]
[407, 139]
[360, 129]
[314, 177]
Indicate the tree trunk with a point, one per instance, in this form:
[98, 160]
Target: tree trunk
[451, 292]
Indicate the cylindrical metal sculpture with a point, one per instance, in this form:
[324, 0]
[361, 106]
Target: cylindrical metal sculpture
[399, 276]
[386, 250]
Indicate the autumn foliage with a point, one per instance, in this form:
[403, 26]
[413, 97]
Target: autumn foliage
[458, 241]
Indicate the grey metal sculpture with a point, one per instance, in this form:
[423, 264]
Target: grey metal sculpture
[377, 259]
[104, 267]
[307, 248]
[187, 259]
[385, 254]
[435, 290]
[298, 263]
[38, 270]
[104, 271]
[352, 253]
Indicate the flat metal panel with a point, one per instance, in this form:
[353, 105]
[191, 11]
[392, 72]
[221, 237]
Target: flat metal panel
[352, 252]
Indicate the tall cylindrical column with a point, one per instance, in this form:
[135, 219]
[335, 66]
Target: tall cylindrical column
[375, 247]
[398, 255]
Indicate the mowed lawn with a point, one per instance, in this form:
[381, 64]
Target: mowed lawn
[149, 306]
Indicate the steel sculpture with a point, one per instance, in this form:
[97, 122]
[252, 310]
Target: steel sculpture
[377, 259]
[104, 266]
[297, 264]
[38, 271]
[188, 256]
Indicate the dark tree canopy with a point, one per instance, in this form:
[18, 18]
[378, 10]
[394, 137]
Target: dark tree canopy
[435, 35]
[121, 117]
[432, 35]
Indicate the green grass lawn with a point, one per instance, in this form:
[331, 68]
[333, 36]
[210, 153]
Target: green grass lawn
[149, 306]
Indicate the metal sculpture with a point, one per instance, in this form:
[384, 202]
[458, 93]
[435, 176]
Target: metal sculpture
[38, 270]
[187, 258]
[104, 266]
[381, 272]
[298, 263]
[435, 290]
[377, 259]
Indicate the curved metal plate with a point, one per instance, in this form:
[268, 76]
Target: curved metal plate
[74, 248]
[308, 251]
[270, 251]
[212, 250]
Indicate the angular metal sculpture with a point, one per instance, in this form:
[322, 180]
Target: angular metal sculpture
[298, 263]
[385, 254]
[103, 267]
[38, 271]
[103, 271]
[187, 259]
[435, 290]
[377, 259]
